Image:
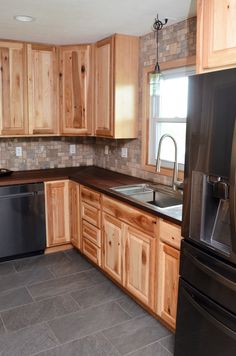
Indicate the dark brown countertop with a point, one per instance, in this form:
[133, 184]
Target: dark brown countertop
[96, 178]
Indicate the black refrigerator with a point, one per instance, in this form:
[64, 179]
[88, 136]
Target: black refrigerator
[206, 314]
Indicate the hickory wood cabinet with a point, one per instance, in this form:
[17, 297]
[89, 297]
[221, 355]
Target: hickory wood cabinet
[13, 89]
[216, 40]
[116, 86]
[43, 81]
[76, 89]
[57, 212]
[129, 241]
[168, 271]
[74, 214]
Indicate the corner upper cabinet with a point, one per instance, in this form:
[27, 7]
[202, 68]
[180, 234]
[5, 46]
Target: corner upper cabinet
[42, 89]
[13, 89]
[216, 40]
[76, 89]
[116, 87]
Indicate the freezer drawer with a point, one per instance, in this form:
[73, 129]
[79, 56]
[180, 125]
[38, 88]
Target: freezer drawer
[209, 275]
[203, 327]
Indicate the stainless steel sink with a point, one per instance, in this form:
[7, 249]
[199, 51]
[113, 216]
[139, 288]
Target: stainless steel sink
[161, 197]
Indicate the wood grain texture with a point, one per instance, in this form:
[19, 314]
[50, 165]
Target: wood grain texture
[91, 233]
[112, 247]
[76, 89]
[74, 214]
[139, 264]
[13, 89]
[131, 216]
[92, 251]
[57, 213]
[168, 280]
[43, 89]
[216, 41]
[170, 233]
[91, 197]
[91, 214]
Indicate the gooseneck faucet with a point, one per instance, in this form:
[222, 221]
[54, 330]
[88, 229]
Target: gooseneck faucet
[158, 162]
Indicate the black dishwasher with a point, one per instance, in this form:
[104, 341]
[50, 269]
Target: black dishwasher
[22, 220]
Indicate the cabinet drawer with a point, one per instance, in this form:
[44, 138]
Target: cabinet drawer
[91, 197]
[91, 233]
[134, 217]
[170, 233]
[91, 251]
[91, 214]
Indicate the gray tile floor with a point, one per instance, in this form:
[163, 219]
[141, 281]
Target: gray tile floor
[59, 304]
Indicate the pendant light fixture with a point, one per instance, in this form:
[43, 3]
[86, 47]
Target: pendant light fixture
[155, 76]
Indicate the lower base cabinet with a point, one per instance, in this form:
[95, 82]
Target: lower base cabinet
[91, 251]
[139, 257]
[74, 213]
[57, 213]
[168, 279]
[112, 247]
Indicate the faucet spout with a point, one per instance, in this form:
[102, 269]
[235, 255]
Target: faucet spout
[158, 161]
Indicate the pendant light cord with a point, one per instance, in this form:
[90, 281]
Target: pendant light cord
[157, 26]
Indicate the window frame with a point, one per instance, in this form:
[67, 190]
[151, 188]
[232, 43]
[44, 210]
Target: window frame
[178, 63]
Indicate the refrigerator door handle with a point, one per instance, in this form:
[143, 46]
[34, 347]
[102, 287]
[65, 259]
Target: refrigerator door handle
[205, 311]
[232, 191]
[219, 277]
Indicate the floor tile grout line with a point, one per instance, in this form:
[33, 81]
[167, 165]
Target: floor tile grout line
[5, 328]
[143, 347]
[124, 310]
[111, 343]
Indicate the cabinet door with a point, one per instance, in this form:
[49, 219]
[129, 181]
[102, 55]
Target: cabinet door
[168, 279]
[104, 88]
[216, 46]
[74, 214]
[13, 103]
[139, 267]
[112, 247]
[42, 89]
[76, 89]
[57, 213]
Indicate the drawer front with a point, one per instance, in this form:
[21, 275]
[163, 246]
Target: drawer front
[91, 233]
[91, 197]
[91, 214]
[91, 251]
[170, 233]
[134, 217]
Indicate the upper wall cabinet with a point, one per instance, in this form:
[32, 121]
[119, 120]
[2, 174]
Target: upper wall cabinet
[42, 89]
[76, 89]
[13, 106]
[116, 87]
[216, 40]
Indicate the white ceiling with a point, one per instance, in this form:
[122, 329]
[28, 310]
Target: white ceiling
[84, 21]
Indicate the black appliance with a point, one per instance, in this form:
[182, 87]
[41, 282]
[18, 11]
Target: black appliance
[22, 220]
[206, 315]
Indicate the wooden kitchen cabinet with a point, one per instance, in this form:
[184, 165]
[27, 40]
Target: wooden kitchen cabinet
[168, 280]
[116, 87]
[13, 89]
[57, 212]
[216, 40]
[74, 214]
[139, 268]
[112, 247]
[43, 89]
[76, 89]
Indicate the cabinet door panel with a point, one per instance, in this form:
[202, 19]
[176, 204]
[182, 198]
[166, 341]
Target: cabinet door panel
[216, 34]
[168, 283]
[13, 113]
[42, 89]
[112, 247]
[104, 88]
[57, 208]
[139, 268]
[76, 89]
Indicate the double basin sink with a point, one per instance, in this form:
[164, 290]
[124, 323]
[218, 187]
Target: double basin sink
[159, 196]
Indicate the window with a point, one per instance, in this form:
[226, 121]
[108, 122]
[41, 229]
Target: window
[167, 100]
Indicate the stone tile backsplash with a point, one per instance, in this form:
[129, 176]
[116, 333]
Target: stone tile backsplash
[175, 41]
